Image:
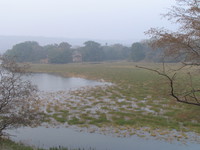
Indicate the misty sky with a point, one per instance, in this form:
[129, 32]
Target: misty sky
[93, 19]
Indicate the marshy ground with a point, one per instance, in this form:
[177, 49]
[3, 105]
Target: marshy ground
[134, 102]
[137, 102]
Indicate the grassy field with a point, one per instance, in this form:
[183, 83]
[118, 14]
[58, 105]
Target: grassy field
[138, 99]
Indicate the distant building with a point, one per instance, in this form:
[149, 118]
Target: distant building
[44, 61]
[77, 56]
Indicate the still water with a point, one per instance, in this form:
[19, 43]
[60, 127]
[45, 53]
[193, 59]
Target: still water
[50, 83]
[68, 137]
[51, 137]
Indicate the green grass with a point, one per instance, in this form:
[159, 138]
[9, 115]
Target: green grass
[100, 120]
[75, 121]
[133, 85]
[58, 117]
[10, 145]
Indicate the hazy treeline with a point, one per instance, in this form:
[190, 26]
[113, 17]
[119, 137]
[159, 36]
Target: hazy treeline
[92, 51]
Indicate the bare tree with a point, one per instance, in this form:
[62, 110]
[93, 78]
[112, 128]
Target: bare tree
[18, 103]
[186, 40]
[184, 43]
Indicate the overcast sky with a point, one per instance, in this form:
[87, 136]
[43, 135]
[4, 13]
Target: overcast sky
[92, 19]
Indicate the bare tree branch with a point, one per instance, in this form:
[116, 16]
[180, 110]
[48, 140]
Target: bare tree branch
[171, 80]
[16, 97]
[185, 42]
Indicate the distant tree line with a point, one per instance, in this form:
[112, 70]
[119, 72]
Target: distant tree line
[92, 51]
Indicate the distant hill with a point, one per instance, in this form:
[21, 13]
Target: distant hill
[7, 42]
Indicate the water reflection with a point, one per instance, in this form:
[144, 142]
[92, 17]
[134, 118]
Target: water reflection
[49, 137]
[49, 83]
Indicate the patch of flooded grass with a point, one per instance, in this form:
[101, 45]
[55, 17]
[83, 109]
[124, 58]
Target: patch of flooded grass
[59, 117]
[75, 121]
[137, 98]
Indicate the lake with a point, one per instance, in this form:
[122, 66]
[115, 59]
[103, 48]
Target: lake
[69, 137]
[51, 83]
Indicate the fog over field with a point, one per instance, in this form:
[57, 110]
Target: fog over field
[101, 74]
[122, 21]
[7, 42]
